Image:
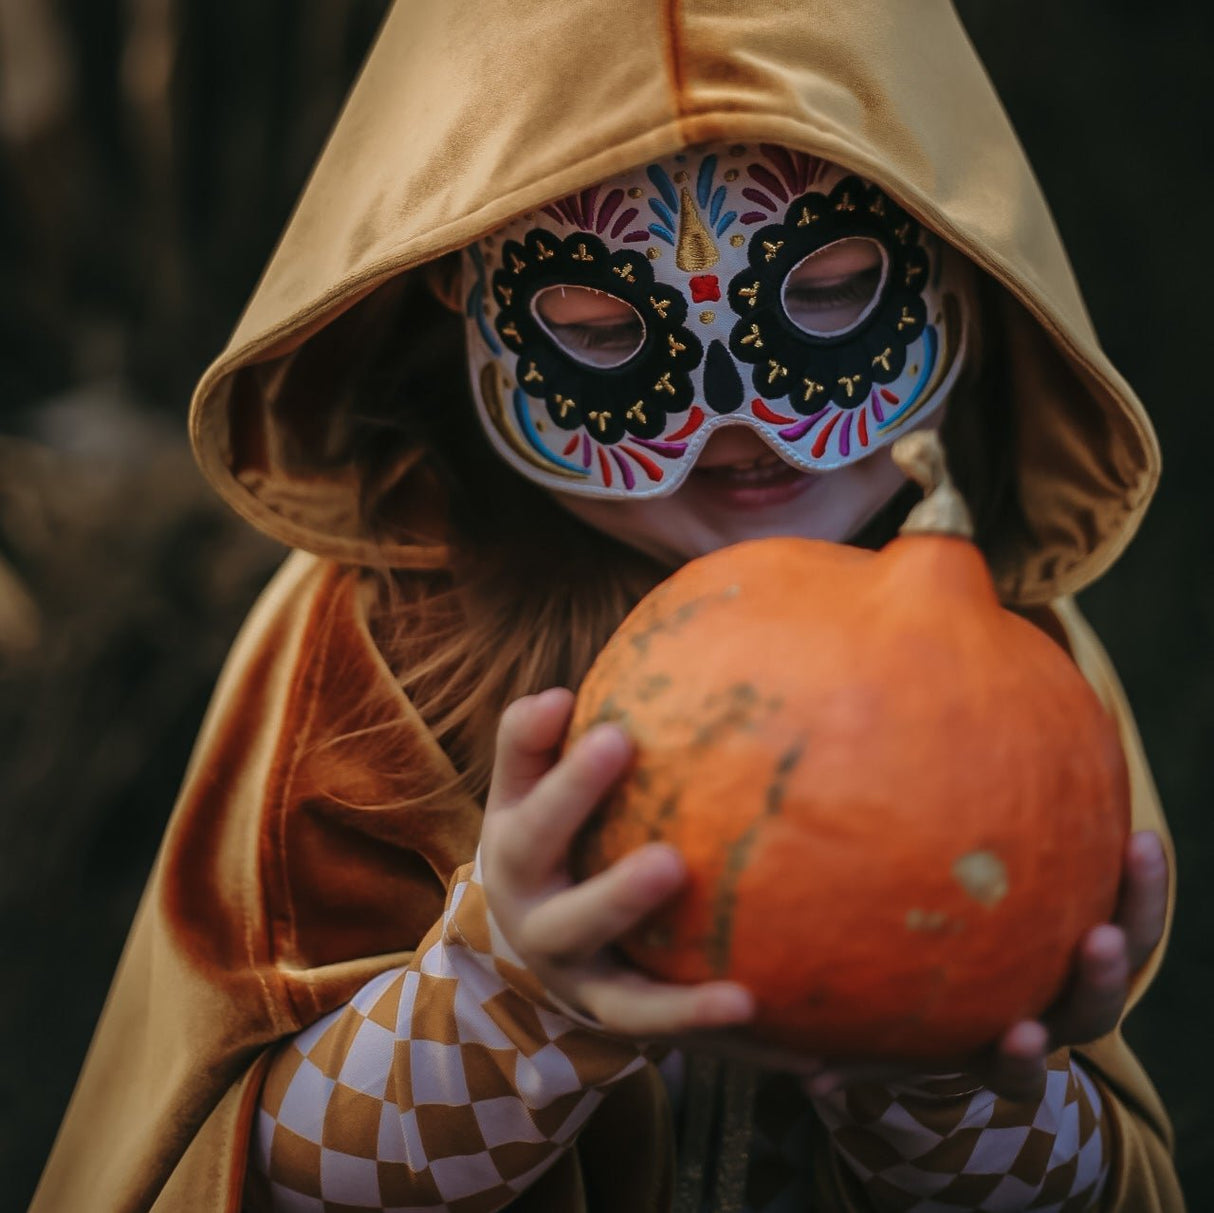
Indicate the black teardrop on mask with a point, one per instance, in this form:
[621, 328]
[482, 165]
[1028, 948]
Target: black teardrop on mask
[722, 383]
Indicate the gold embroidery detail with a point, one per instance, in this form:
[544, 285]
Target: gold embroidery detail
[564, 404]
[696, 250]
[680, 177]
[637, 413]
[602, 419]
[731, 174]
[581, 254]
[676, 346]
[812, 388]
[707, 317]
[754, 337]
[661, 306]
[653, 253]
[882, 359]
[845, 203]
[544, 251]
[777, 371]
[505, 294]
[737, 240]
[749, 293]
[624, 271]
[906, 320]
[772, 247]
[533, 375]
[664, 384]
[517, 264]
[848, 383]
[636, 192]
[509, 330]
[913, 272]
[807, 217]
[539, 424]
[878, 206]
[903, 233]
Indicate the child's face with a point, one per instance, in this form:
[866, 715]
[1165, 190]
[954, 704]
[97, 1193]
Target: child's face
[713, 347]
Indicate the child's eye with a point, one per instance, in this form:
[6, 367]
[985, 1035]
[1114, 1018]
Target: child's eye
[591, 326]
[836, 287]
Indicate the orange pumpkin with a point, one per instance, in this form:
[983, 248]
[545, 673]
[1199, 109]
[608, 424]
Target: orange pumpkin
[900, 804]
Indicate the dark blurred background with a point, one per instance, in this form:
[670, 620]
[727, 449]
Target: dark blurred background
[150, 151]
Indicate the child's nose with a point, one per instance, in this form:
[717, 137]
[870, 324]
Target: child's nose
[732, 444]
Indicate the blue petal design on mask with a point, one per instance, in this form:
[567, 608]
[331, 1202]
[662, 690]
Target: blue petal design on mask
[663, 213]
[664, 185]
[931, 350]
[704, 181]
[718, 201]
[726, 222]
[523, 416]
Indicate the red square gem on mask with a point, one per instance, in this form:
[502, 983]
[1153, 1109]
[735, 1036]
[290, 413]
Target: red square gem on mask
[705, 289]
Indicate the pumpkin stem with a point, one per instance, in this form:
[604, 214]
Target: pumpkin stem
[943, 510]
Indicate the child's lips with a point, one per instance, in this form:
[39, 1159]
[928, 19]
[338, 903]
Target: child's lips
[752, 484]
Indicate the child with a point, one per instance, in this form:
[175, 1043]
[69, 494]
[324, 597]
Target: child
[698, 265]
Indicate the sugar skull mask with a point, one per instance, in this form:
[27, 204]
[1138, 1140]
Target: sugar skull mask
[612, 331]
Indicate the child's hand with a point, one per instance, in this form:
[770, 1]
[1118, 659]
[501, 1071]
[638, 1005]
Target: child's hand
[560, 929]
[1094, 1000]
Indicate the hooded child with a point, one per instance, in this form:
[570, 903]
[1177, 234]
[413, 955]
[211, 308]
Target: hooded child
[577, 292]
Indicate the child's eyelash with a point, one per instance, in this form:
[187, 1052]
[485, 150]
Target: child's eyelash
[598, 336]
[856, 289]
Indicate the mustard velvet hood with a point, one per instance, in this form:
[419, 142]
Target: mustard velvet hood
[467, 114]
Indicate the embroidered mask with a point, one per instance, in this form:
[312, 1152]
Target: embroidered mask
[612, 331]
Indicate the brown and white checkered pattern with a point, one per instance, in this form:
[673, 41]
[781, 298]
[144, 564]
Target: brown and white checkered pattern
[919, 1152]
[452, 1084]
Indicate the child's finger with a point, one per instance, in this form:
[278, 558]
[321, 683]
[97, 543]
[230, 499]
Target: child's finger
[1017, 1070]
[1144, 900]
[629, 1004]
[528, 735]
[542, 827]
[576, 923]
[1096, 999]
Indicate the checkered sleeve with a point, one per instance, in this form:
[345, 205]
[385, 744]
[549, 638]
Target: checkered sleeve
[453, 1083]
[926, 1149]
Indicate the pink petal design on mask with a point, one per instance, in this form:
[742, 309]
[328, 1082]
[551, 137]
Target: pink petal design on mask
[862, 427]
[630, 481]
[585, 451]
[768, 180]
[606, 467]
[689, 427]
[878, 411]
[763, 413]
[566, 208]
[636, 237]
[588, 201]
[845, 436]
[651, 469]
[570, 446]
[553, 213]
[758, 198]
[668, 450]
[796, 432]
[611, 204]
[623, 221]
[785, 164]
[754, 217]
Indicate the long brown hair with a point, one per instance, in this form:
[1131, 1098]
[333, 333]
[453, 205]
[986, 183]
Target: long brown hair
[529, 594]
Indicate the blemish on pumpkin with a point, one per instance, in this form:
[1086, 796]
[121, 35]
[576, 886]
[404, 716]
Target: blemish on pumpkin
[774, 799]
[983, 875]
[653, 686]
[928, 921]
[611, 712]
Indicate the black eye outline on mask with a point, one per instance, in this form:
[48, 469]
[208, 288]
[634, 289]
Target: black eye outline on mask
[610, 403]
[812, 370]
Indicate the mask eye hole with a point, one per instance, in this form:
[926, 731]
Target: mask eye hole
[836, 287]
[592, 326]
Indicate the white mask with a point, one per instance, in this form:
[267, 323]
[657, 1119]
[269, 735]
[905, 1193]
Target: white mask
[612, 332]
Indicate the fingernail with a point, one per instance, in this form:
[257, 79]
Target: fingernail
[732, 1004]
